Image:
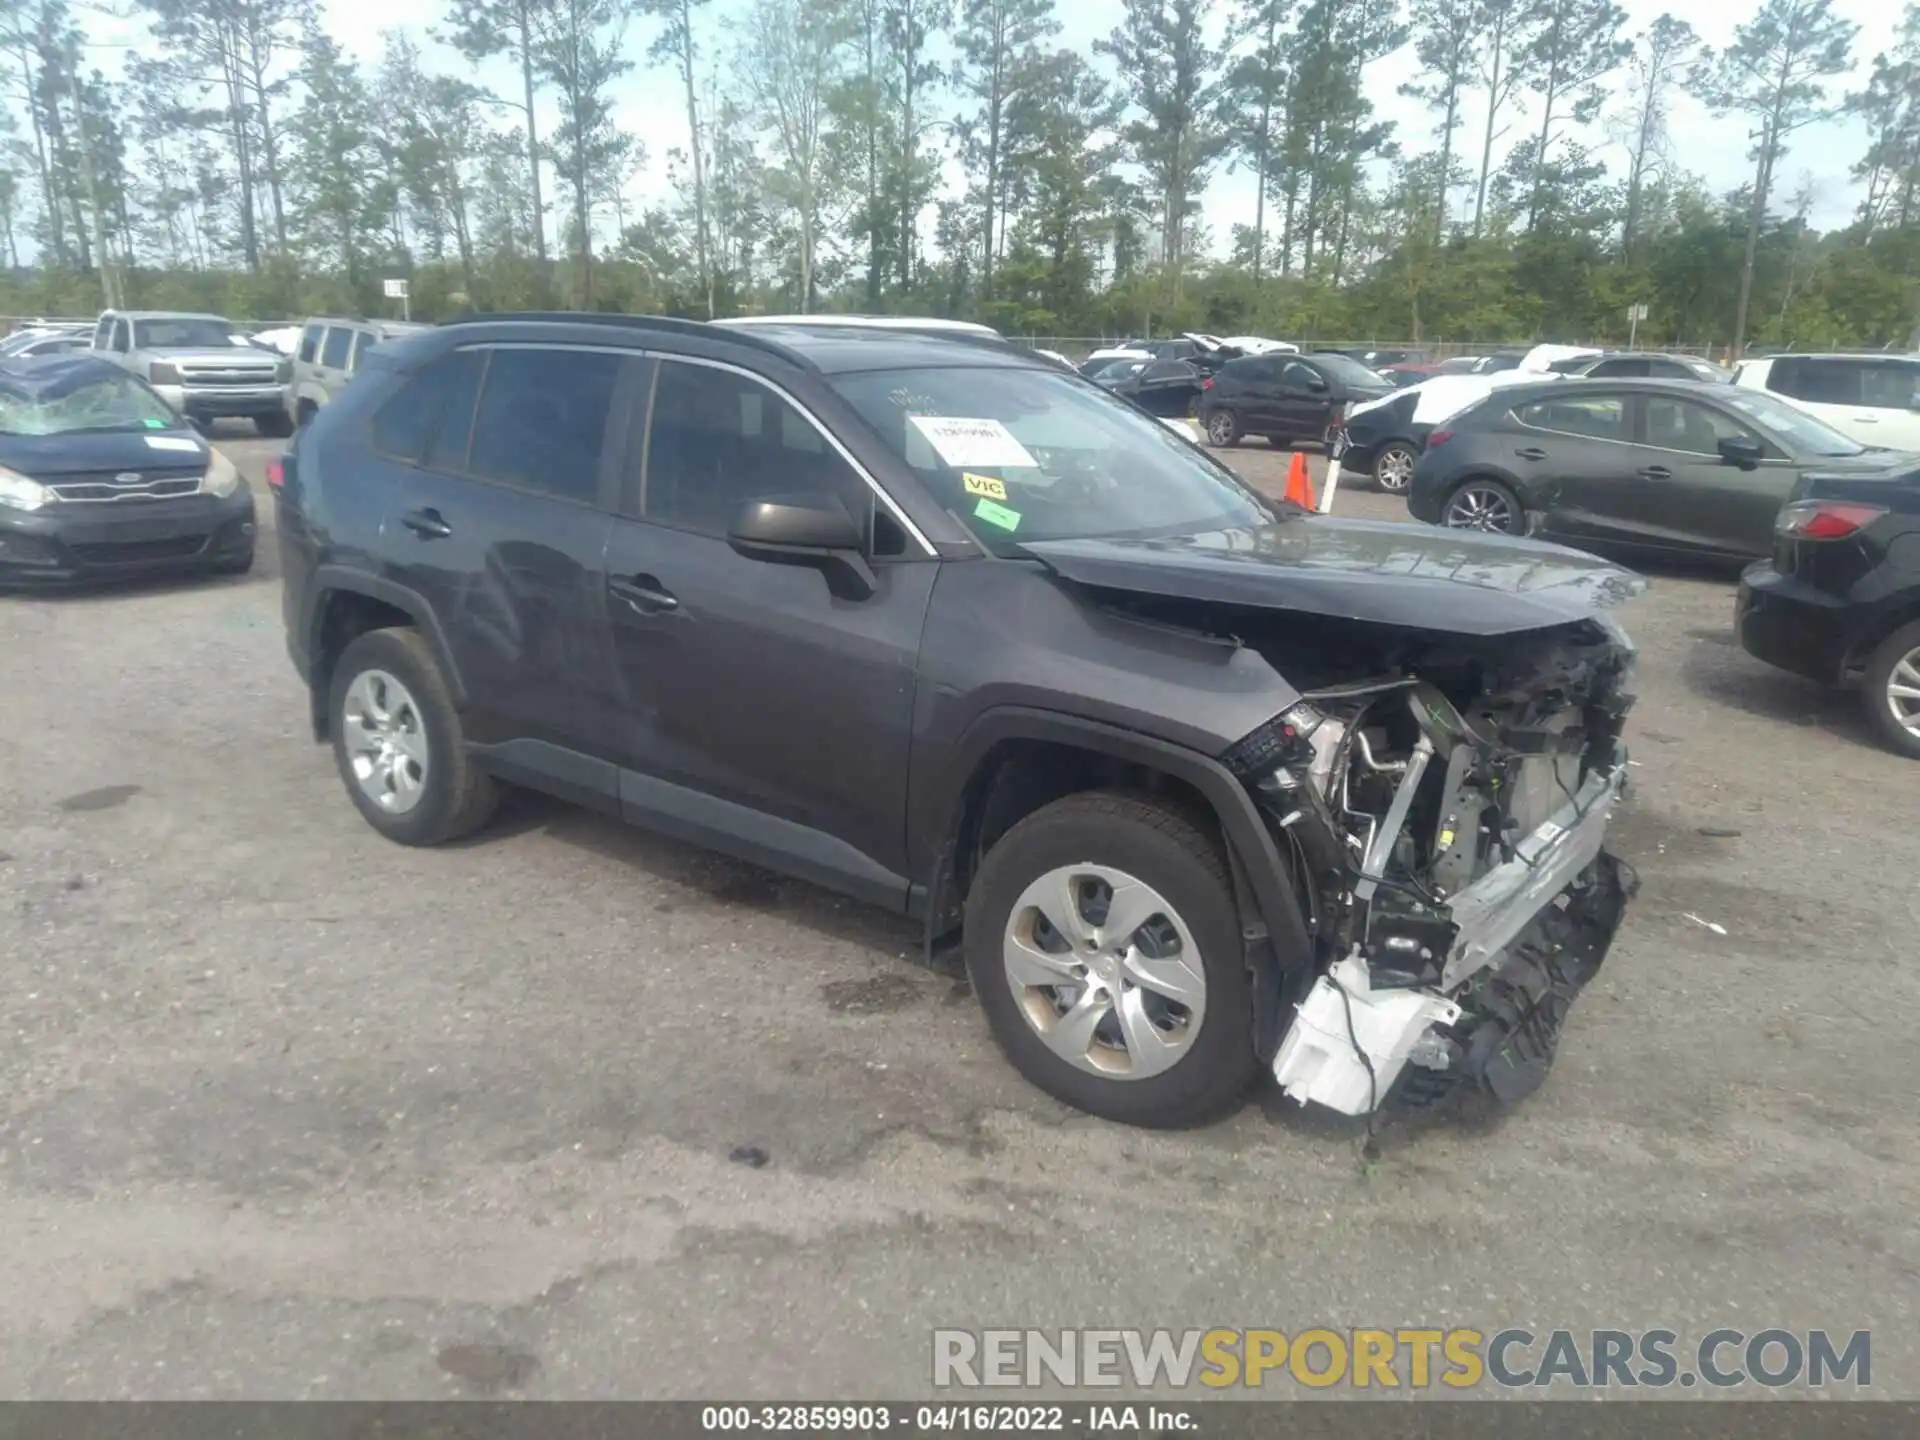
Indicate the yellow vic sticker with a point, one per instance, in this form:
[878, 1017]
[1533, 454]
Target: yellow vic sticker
[998, 515]
[983, 485]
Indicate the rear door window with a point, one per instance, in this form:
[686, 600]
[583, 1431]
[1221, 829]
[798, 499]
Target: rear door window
[364, 341]
[310, 341]
[1295, 375]
[120, 336]
[1592, 417]
[543, 420]
[333, 354]
[1817, 380]
[1617, 369]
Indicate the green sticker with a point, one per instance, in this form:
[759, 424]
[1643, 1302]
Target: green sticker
[154, 424]
[995, 513]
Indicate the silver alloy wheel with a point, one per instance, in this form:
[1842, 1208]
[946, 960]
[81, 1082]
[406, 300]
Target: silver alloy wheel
[1481, 507]
[1220, 428]
[1903, 691]
[386, 741]
[1105, 971]
[1393, 471]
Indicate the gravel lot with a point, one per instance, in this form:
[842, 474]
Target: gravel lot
[291, 1111]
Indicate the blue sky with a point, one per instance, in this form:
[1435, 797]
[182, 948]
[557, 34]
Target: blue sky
[649, 103]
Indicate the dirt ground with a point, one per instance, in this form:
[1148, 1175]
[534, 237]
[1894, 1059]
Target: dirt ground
[290, 1111]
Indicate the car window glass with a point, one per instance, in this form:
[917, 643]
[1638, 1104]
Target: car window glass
[542, 420]
[1597, 417]
[364, 341]
[101, 332]
[720, 440]
[333, 354]
[310, 341]
[1890, 385]
[1682, 425]
[1818, 381]
[120, 335]
[1609, 369]
[1669, 370]
[1296, 376]
[404, 425]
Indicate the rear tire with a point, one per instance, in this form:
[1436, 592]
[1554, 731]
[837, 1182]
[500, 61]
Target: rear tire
[441, 795]
[1894, 667]
[1484, 505]
[1223, 429]
[1393, 467]
[1152, 1061]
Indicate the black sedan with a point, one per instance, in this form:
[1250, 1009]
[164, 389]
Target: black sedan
[101, 480]
[1659, 466]
[1285, 397]
[1839, 598]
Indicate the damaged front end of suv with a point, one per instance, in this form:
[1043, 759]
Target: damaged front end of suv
[1440, 790]
[1447, 818]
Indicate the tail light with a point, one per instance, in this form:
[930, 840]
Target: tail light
[1338, 417]
[1825, 519]
[277, 472]
[1438, 438]
[1207, 384]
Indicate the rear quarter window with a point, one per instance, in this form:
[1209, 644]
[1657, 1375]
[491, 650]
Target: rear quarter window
[333, 354]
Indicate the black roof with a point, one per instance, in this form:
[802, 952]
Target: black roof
[829, 349]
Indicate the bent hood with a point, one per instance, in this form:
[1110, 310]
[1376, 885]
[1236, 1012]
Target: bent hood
[1451, 581]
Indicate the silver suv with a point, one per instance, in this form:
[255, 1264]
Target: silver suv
[329, 353]
[200, 364]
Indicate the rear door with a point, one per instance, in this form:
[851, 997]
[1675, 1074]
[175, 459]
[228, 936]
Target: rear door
[501, 524]
[1685, 496]
[761, 714]
[1575, 452]
[1851, 393]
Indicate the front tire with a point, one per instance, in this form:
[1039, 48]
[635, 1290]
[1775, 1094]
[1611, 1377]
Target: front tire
[1104, 943]
[1891, 691]
[398, 743]
[1393, 467]
[1485, 505]
[1223, 429]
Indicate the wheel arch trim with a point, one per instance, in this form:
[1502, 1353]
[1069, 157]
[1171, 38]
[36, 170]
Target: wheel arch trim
[1281, 927]
[331, 580]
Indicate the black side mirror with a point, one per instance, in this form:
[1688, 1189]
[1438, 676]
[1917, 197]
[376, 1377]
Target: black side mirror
[810, 530]
[1742, 450]
[1316, 384]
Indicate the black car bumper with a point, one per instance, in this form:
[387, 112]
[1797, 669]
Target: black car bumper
[1793, 626]
[76, 544]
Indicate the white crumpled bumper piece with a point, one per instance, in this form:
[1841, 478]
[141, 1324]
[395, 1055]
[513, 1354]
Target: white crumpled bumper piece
[1317, 1060]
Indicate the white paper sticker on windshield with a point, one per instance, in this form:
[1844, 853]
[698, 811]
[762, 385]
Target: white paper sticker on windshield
[173, 442]
[962, 442]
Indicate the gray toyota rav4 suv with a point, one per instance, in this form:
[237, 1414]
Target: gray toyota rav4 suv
[1203, 783]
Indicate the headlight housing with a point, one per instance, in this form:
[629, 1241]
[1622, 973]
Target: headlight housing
[17, 492]
[222, 477]
[163, 372]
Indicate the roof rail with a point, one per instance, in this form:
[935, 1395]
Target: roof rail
[668, 323]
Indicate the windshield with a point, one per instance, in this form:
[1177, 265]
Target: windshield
[1018, 455]
[1351, 372]
[112, 402]
[186, 333]
[1808, 435]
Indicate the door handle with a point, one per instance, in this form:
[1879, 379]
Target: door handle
[1656, 472]
[645, 595]
[427, 524]
[1532, 452]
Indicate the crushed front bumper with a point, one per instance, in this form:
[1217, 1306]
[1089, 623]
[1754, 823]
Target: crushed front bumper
[1519, 958]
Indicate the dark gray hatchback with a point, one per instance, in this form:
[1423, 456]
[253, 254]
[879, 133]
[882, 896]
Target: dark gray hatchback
[1205, 784]
[1669, 467]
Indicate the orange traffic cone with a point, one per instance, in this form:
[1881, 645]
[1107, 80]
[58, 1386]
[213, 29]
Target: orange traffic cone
[1299, 489]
